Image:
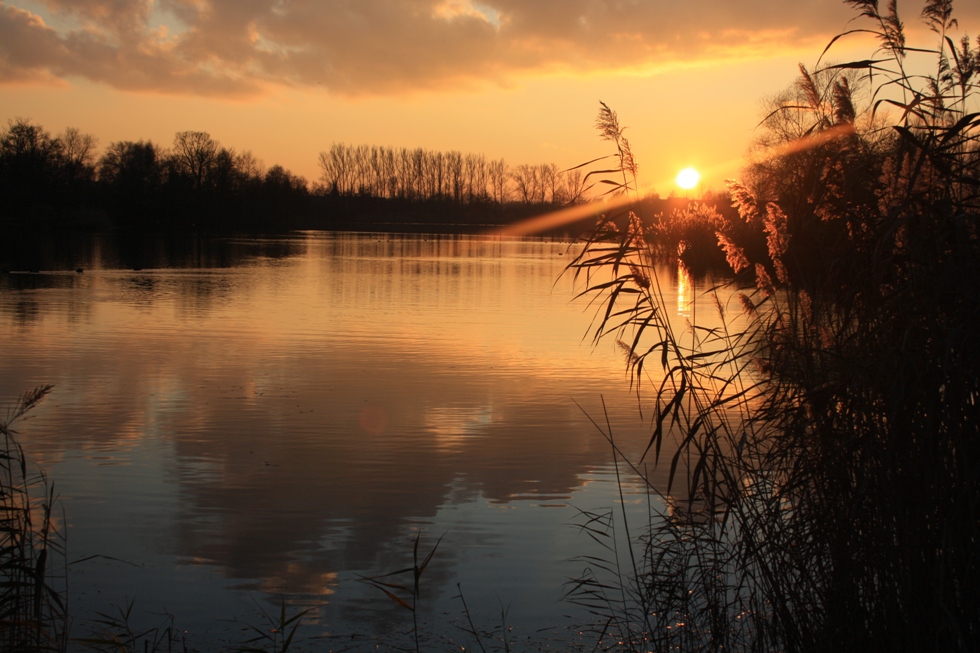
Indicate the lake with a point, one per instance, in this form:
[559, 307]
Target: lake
[237, 423]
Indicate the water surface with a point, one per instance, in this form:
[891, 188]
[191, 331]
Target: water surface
[240, 422]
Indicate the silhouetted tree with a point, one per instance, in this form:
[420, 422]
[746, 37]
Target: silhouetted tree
[498, 173]
[30, 159]
[131, 174]
[423, 175]
[526, 182]
[283, 189]
[195, 155]
[571, 188]
[78, 154]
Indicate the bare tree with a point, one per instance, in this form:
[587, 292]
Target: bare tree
[195, 155]
[30, 165]
[454, 170]
[476, 177]
[22, 141]
[78, 149]
[499, 174]
[527, 180]
[126, 162]
[550, 179]
[424, 174]
[571, 187]
[337, 170]
[249, 166]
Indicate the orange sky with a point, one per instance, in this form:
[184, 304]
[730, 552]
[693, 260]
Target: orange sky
[517, 79]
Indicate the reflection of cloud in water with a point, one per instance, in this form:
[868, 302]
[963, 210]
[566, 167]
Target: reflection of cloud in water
[453, 425]
[296, 578]
[301, 420]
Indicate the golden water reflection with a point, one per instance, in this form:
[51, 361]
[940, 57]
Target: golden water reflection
[283, 413]
[685, 291]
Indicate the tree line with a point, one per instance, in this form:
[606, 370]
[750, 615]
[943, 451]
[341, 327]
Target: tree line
[197, 182]
[386, 172]
[136, 183]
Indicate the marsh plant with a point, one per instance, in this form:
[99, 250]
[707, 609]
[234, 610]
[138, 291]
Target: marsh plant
[113, 632]
[32, 554]
[406, 595]
[822, 438]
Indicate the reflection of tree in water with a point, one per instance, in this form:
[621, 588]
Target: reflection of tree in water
[188, 251]
[140, 290]
[19, 297]
[80, 259]
[27, 250]
[26, 311]
[198, 292]
[128, 250]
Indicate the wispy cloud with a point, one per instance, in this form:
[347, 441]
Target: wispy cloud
[371, 47]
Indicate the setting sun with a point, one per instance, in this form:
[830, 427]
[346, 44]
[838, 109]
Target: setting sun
[688, 178]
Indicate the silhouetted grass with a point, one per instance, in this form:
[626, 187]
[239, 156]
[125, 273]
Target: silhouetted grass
[826, 454]
[32, 586]
[113, 632]
[406, 596]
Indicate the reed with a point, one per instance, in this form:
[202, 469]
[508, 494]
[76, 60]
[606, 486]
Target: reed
[113, 632]
[824, 457]
[407, 595]
[32, 586]
[278, 635]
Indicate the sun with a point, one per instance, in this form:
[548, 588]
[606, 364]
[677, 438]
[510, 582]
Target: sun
[688, 178]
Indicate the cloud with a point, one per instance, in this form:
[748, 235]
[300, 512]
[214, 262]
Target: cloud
[240, 47]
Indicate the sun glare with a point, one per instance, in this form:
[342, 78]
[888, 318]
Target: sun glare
[688, 178]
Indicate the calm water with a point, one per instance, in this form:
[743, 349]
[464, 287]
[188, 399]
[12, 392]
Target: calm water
[242, 422]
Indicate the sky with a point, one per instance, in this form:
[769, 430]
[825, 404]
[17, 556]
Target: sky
[513, 79]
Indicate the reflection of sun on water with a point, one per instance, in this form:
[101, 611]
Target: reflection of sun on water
[685, 291]
[453, 425]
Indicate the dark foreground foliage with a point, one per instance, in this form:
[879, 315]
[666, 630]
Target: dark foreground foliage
[32, 554]
[827, 450]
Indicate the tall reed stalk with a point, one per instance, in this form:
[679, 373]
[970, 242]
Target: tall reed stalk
[407, 596]
[32, 588]
[825, 456]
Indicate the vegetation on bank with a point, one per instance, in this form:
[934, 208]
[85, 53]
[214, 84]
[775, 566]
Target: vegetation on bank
[50, 182]
[33, 575]
[824, 493]
[59, 180]
[420, 174]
